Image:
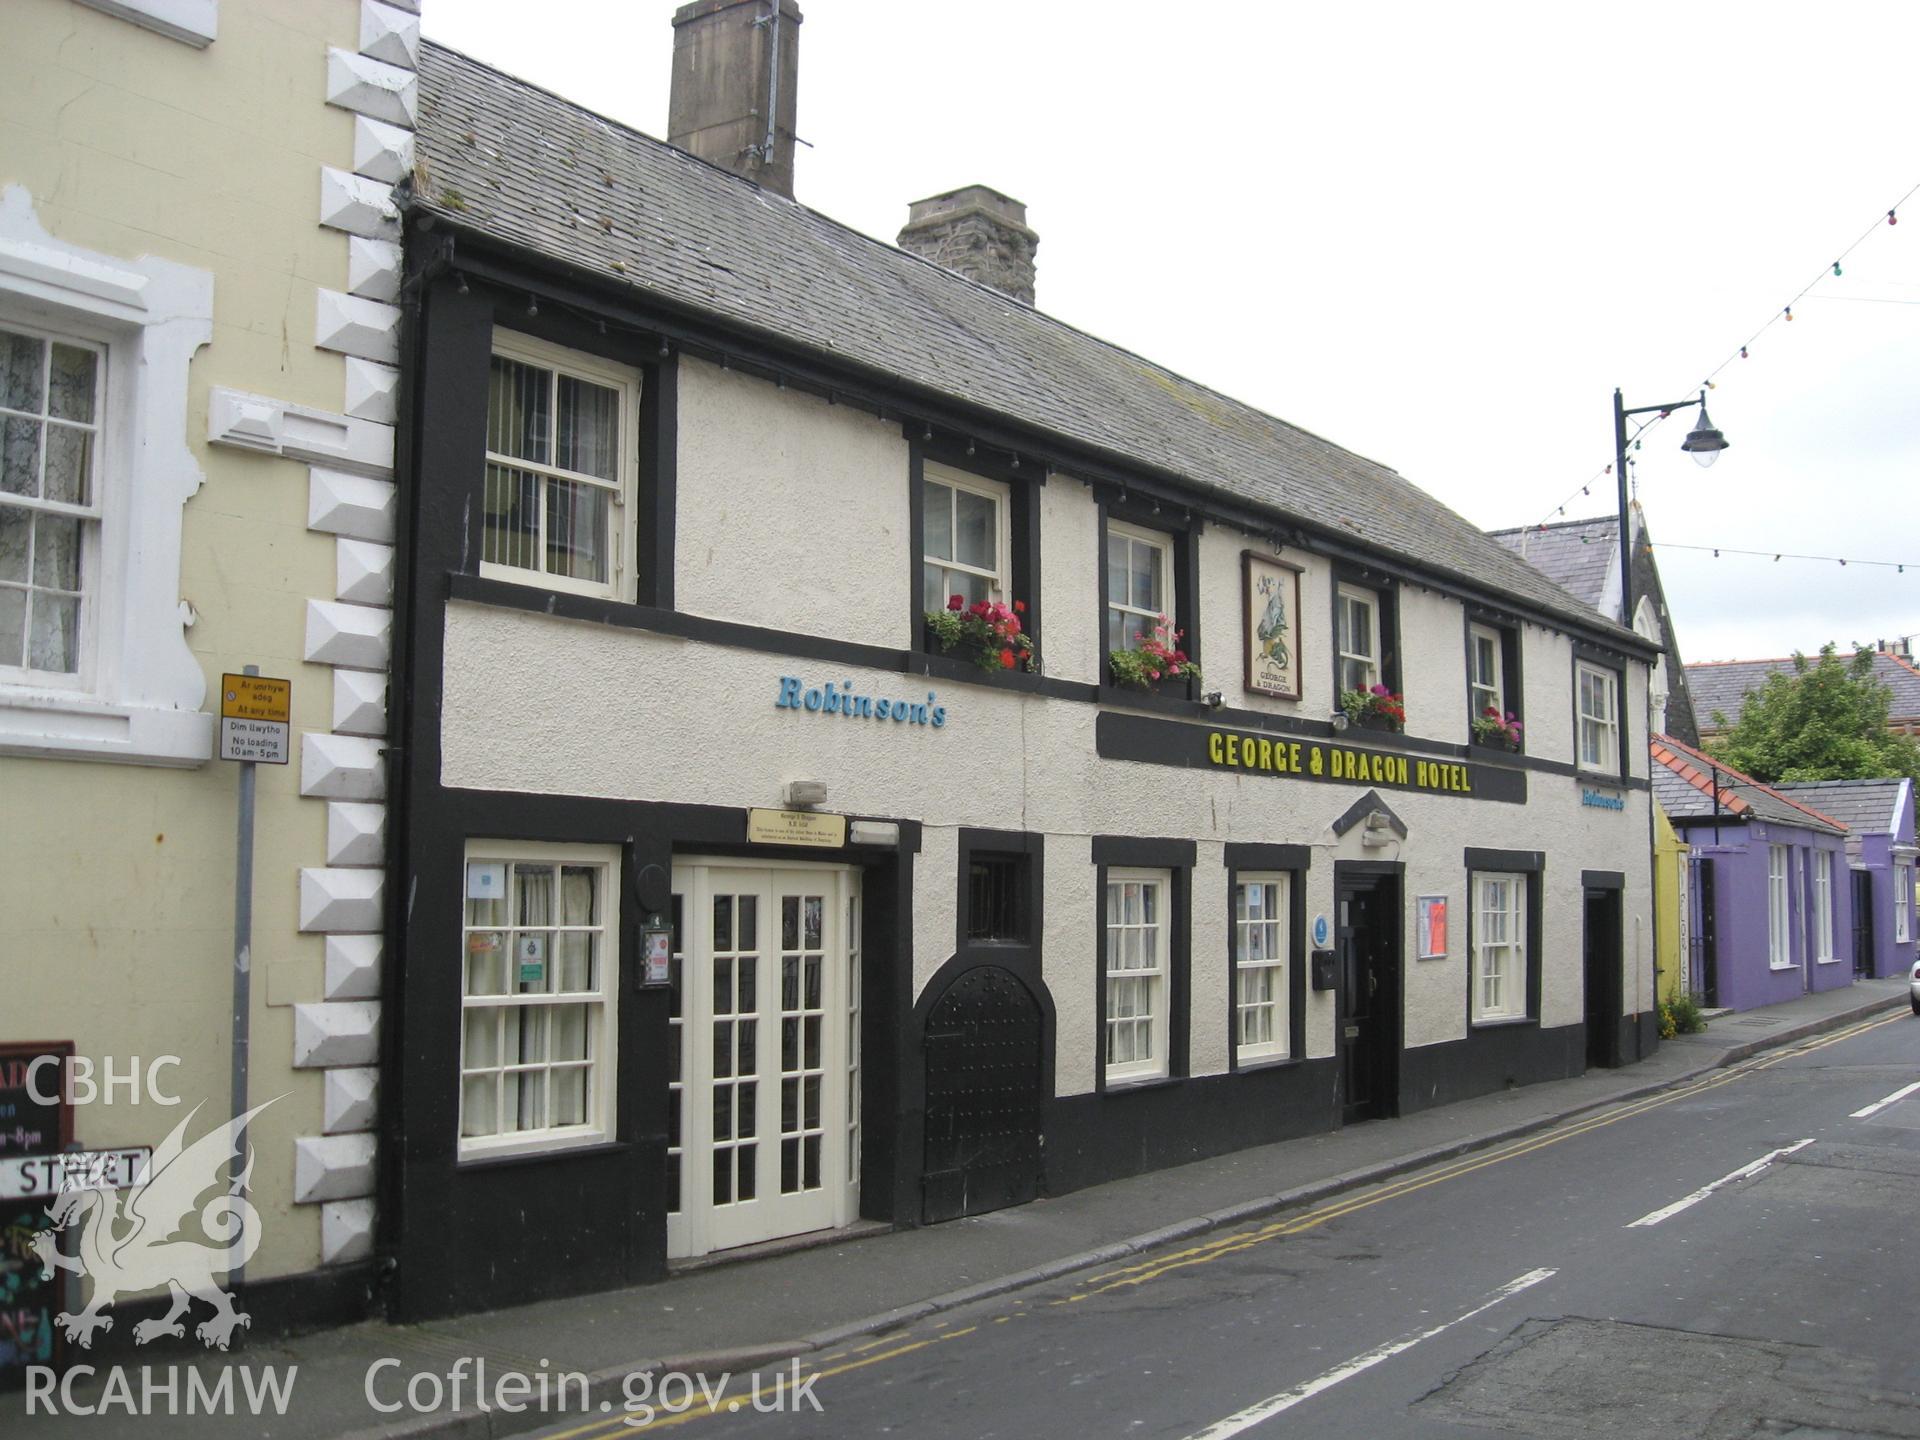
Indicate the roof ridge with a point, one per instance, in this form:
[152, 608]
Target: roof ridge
[1760, 785]
[1613, 520]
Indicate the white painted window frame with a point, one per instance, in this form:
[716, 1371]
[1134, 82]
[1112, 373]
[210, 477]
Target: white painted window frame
[1779, 940]
[603, 1002]
[1902, 904]
[1824, 948]
[1502, 962]
[621, 542]
[1486, 691]
[999, 578]
[1164, 602]
[1598, 740]
[1368, 659]
[1158, 978]
[1278, 966]
[142, 688]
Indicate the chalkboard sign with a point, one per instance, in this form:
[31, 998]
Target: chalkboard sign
[29, 1126]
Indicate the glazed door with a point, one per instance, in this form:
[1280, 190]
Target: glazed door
[763, 1142]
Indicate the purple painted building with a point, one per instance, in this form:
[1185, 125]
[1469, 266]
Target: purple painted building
[1770, 906]
[1881, 850]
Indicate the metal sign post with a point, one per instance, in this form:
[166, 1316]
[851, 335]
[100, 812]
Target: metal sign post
[256, 715]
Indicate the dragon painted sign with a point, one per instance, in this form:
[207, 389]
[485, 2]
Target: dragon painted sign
[1270, 610]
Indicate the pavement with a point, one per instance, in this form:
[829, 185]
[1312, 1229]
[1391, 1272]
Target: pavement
[737, 1316]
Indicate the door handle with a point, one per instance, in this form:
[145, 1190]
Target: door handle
[1353, 1032]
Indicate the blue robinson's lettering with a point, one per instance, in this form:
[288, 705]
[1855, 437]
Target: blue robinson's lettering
[831, 699]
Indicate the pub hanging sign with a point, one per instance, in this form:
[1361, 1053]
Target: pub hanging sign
[1298, 758]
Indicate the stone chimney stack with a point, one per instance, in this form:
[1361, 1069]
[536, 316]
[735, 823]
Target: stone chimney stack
[976, 232]
[736, 68]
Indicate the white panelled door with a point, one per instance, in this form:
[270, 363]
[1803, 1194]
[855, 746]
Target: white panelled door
[763, 1139]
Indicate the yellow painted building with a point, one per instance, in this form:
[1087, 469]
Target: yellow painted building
[199, 272]
[1670, 910]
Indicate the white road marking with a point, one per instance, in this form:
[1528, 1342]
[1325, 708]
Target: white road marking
[1892, 1099]
[1246, 1419]
[1667, 1212]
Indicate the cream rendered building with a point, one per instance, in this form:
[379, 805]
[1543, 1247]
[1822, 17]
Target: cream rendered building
[198, 279]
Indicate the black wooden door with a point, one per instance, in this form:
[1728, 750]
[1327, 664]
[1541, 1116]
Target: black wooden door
[1600, 946]
[1862, 924]
[983, 1042]
[1706, 934]
[1368, 937]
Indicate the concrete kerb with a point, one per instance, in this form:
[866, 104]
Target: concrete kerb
[608, 1385]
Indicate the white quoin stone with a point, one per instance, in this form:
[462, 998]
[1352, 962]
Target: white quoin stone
[350, 1100]
[380, 151]
[341, 900]
[332, 1167]
[359, 702]
[356, 833]
[336, 1033]
[352, 505]
[371, 388]
[346, 1231]
[357, 205]
[373, 268]
[390, 34]
[342, 767]
[356, 636]
[353, 967]
[353, 326]
[371, 87]
[363, 572]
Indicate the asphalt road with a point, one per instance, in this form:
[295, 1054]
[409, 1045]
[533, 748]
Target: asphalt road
[1738, 1257]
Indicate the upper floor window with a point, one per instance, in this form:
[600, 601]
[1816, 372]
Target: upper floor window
[50, 414]
[1139, 583]
[1485, 679]
[965, 525]
[561, 461]
[1598, 698]
[1357, 636]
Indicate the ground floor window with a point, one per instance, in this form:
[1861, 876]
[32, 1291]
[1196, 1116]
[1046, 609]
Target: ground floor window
[1903, 903]
[1779, 956]
[1261, 907]
[1499, 945]
[539, 956]
[1138, 933]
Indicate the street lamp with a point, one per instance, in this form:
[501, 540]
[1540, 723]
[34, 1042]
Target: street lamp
[1703, 442]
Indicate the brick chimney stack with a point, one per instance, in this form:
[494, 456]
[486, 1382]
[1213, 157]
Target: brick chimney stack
[977, 232]
[736, 69]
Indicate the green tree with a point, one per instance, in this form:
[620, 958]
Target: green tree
[1826, 721]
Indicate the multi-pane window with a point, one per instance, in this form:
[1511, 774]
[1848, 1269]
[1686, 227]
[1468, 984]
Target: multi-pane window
[964, 552]
[1139, 583]
[1484, 678]
[1599, 704]
[1823, 905]
[1499, 946]
[996, 897]
[50, 408]
[1779, 955]
[1902, 903]
[560, 462]
[1357, 635]
[1138, 936]
[537, 998]
[1260, 953]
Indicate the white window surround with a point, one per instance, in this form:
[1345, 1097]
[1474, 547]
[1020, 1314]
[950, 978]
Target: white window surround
[1902, 904]
[1500, 919]
[1138, 956]
[1597, 704]
[999, 581]
[192, 22]
[601, 1000]
[1486, 680]
[141, 688]
[1779, 950]
[1262, 961]
[1129, 614]
[1823, 946]
[619, 537]
[1357, 610]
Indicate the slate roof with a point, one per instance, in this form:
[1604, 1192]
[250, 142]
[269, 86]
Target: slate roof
[1723, 685]
[1862, 805]
[525, 167]
[1580, 556]
[1682, 786]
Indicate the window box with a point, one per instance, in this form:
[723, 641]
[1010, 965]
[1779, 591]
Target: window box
[1493, 731]
[986, 634]
[1154, 660]
[1376, 708]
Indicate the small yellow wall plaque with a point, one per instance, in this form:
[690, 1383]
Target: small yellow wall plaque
[796, 827]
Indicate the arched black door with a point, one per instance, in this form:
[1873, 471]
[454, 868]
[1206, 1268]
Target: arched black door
[983, 1043]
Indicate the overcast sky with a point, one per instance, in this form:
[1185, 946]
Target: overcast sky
[1439, 235]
